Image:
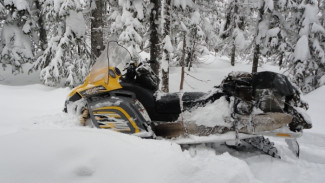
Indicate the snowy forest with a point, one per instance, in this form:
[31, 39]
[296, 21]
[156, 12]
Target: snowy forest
[163, 91]
[62, 38]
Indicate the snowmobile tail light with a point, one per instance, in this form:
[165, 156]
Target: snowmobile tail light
[283, 135]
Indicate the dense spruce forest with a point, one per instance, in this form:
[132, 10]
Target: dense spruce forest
[62, 38]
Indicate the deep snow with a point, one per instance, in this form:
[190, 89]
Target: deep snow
[40, 143]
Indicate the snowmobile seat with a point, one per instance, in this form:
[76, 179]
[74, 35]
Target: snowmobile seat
[168, 109]
[170, 103]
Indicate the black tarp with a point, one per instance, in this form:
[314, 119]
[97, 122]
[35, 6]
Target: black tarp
[272, 80]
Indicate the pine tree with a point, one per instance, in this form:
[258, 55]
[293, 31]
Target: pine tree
[232, 32]
[321, 5]
[2, 11]
[154, 35]
[17, 35]
[127, 18]
[66, 58]
[39, 14]
[212, 13]
[183, 63]
[259, 35]
[307, 67]
[179, 18]
[267, 32]
[278, 32]
[97, 25]
[195, 36]
[167, 46]
[186, 17]
[281, 35]
[322, 37]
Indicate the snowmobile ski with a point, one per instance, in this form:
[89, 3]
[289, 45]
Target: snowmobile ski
[293, 146]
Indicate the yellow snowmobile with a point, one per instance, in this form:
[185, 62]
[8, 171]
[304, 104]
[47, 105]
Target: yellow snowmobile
[128, 102]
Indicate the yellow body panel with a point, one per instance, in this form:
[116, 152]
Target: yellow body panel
[100, 78]
[112, 115]
[122, 111]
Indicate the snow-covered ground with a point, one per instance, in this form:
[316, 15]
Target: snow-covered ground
[40, 143]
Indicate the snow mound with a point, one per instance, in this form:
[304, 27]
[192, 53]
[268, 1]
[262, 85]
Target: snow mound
[92, 155]
[302, 49]
[76, 22]
[316, 101]
[217, 113]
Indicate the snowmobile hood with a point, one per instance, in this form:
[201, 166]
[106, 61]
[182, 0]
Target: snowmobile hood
[105, 73]
[106, 79]
[272, 80]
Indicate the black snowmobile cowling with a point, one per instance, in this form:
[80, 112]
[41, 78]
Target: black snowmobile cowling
[263, 103]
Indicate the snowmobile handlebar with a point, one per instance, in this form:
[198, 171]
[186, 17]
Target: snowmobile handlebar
[142, 74]
[130, 69]
[132, 66]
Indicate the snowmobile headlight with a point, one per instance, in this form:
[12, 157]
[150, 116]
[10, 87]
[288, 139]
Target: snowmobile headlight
[111, 73]
[94, 90]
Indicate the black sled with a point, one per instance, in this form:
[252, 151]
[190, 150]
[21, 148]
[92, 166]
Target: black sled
[262, 104]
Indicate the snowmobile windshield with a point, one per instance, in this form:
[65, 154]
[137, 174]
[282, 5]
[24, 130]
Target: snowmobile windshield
[114, 55]
[118, 56]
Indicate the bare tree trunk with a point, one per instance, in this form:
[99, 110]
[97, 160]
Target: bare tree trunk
[165, 73]
[165, 81]
[233, 54]
[97, 24]
[233, 50]
[255, 58]
[154, 35]
[281, 59]
[42, 31]
[183, 63]
[190, 65]
[257, 51]
[191, 57]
